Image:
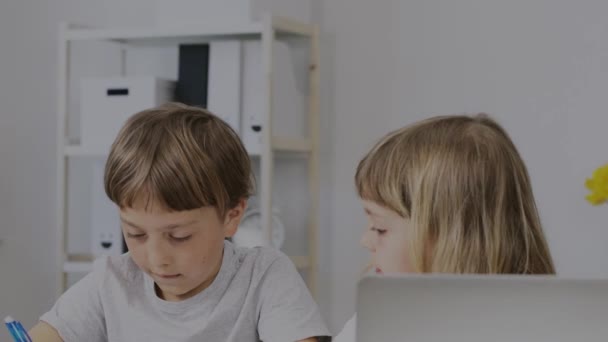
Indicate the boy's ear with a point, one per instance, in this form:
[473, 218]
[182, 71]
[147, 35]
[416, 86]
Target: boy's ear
[233, 218]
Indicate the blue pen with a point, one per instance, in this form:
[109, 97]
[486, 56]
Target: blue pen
[17, 331]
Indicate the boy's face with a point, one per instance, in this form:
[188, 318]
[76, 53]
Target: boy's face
[386, 237]
[182, 251]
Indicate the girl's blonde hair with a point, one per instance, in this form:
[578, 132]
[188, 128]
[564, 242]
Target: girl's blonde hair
[467, 193]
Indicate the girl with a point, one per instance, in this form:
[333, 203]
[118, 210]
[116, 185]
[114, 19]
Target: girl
[449, 194]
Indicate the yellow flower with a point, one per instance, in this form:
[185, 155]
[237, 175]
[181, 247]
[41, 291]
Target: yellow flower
[598, 185]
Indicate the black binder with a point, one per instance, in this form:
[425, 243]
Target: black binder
[193, 75]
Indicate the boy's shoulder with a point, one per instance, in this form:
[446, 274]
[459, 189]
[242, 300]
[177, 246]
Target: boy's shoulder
[257, 258]
[282, 304]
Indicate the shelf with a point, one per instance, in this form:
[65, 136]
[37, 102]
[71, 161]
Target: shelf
[83, 263]
[280, 144]
[78, 263]
[289, 26]
[267, 31]
[188, 34]
[301, 262]
[286, 144]
[78, 266]
[79, 151]
[175, 35]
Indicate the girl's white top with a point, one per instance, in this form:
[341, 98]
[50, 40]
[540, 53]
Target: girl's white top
[349, 332]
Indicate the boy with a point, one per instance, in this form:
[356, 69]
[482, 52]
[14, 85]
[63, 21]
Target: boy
[181, 178]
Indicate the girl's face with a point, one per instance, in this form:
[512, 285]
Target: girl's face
[387, 237]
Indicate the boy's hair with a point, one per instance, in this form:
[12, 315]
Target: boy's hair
[180, 157]
[466, 190]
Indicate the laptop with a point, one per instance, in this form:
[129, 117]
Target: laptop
[442, 308]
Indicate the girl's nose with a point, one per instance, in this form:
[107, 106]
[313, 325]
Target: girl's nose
[367, 240]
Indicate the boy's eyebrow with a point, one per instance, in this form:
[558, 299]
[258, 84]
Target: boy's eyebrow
[169, 227]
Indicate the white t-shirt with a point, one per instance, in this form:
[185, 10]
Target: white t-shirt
[257, 295]
[349, 332]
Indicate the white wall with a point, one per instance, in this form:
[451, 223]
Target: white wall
[540, 67]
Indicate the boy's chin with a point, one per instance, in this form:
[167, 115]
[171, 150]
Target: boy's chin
[173, 293]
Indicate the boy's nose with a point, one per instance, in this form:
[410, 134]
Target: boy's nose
[158, 255]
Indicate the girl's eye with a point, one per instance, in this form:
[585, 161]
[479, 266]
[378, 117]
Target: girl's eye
[136, 236]
[379, 231]
[181, 239]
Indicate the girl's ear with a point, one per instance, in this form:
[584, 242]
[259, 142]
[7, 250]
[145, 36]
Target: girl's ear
[233, 218]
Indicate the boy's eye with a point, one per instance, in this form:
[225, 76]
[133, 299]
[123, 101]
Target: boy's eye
[181, 239]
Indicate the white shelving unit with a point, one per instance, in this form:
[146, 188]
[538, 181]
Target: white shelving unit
[274, 144]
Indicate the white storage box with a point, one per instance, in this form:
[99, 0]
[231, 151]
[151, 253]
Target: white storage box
[106, 103]
[226, 12]
[224, 81]
[253, 113]
[290, 97]
[106, 234]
